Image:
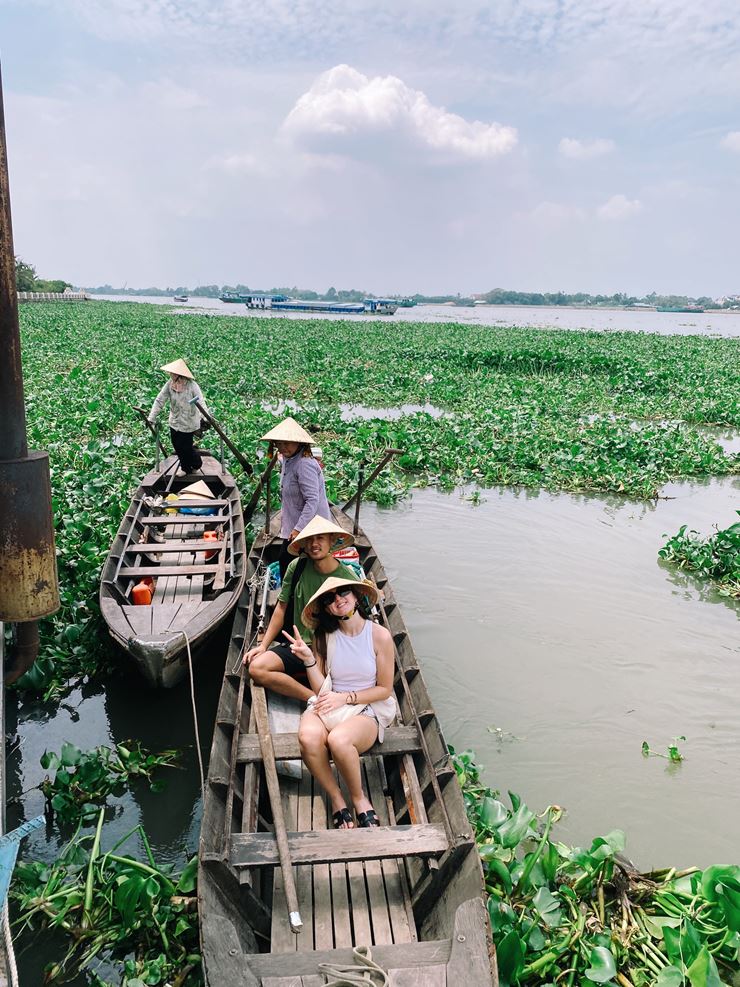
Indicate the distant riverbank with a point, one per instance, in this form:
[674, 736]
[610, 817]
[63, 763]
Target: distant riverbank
[715, 323]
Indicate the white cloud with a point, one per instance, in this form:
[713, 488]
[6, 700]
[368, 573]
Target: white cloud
[344, 106]
[580, 150]
[619, 207]
[731, 141]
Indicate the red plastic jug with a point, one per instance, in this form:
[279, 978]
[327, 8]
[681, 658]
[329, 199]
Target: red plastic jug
[141, 594]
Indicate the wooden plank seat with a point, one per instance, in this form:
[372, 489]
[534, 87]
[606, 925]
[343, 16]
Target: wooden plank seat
[189, 519]
[315, 846]
[397, 740]
[136, 572]
[175, 545]
[193, 502]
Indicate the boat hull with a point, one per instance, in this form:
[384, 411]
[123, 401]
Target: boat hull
[414, 916]
[160, 638]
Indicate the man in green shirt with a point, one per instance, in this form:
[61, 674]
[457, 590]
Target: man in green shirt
[271, 663]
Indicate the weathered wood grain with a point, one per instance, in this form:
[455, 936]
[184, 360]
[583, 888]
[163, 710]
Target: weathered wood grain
[260, 849]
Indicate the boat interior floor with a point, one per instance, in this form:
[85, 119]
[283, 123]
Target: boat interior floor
[342, 904]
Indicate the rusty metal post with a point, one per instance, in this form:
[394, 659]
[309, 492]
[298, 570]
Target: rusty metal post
[28, 576]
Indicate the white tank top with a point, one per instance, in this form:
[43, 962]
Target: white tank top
[353, 662]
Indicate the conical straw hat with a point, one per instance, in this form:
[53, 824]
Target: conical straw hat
[178, 367]
[320, 526]
[288, 431]
[363, 586]
[197, 489]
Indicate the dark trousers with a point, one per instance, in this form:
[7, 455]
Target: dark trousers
[285, 558]
[190, 457]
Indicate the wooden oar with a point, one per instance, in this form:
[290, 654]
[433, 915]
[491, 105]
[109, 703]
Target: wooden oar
[364, 484]
[254, 499]
[259, 704]
[152, 429]
[245, 465]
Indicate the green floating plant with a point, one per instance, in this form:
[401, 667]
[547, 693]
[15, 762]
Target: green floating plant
[672, 751]
[572, 411]
[574, 916]
[716, 558]
[83, 780]
[113, 907]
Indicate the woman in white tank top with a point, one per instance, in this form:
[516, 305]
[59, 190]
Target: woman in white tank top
[351, 671]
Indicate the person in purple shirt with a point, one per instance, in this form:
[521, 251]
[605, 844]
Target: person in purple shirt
[302, 487]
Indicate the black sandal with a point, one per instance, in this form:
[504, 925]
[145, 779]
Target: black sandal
[342, 815]
[366, 820]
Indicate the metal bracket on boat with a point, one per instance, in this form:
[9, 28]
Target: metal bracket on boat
[245, 465]
[363, 484]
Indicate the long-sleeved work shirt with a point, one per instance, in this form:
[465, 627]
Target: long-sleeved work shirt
[302, 493]
[184, 416]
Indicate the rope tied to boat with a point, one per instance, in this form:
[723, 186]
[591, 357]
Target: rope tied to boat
[363, 972]
[195, 719]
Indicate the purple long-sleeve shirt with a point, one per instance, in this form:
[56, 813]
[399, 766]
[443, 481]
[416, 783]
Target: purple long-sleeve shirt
[302, 493]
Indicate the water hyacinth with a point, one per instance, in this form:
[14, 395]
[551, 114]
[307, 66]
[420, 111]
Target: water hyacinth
[569, 915]
[572, 411]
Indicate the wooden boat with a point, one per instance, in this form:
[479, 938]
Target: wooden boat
[411, 890]
[197, 581]
[180, 298]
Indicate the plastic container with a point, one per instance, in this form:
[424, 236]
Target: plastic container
[142, 593]
[210, 536]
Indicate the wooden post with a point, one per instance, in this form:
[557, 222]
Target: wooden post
[246, 466]
[389, 454]
[254, 500]
[259, 704]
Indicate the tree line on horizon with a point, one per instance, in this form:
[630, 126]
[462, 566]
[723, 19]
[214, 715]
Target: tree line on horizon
[27, 280]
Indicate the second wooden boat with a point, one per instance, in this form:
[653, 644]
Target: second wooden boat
[195, 562]
[411, 890]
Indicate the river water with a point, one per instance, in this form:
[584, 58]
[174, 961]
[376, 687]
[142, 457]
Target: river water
[553, 643]
[534, 317]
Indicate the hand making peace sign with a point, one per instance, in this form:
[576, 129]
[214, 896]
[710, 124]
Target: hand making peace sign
[299, 647]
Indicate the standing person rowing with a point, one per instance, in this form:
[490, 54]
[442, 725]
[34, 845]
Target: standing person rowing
[302, 487]
[272, 664]
[181, 390]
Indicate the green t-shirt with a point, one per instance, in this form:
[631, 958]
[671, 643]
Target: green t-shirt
[308, 584]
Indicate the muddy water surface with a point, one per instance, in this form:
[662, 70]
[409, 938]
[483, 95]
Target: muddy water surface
[553, 643]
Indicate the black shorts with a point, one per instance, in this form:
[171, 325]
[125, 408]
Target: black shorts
[291, 665]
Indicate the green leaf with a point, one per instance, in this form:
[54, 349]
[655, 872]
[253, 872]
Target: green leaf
[703, 971]
[603, 968]
[70, 754]
[493, 813]
[513, 831]
[721, 884]
[49, 761]
[510, 957]
[548, 907]
[669, 976]
[189, 877]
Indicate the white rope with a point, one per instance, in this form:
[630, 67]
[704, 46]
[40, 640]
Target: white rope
[9, 952]
[195, 719]
[363, 972]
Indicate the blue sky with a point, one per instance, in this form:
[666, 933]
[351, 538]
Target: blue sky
[396, 147]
